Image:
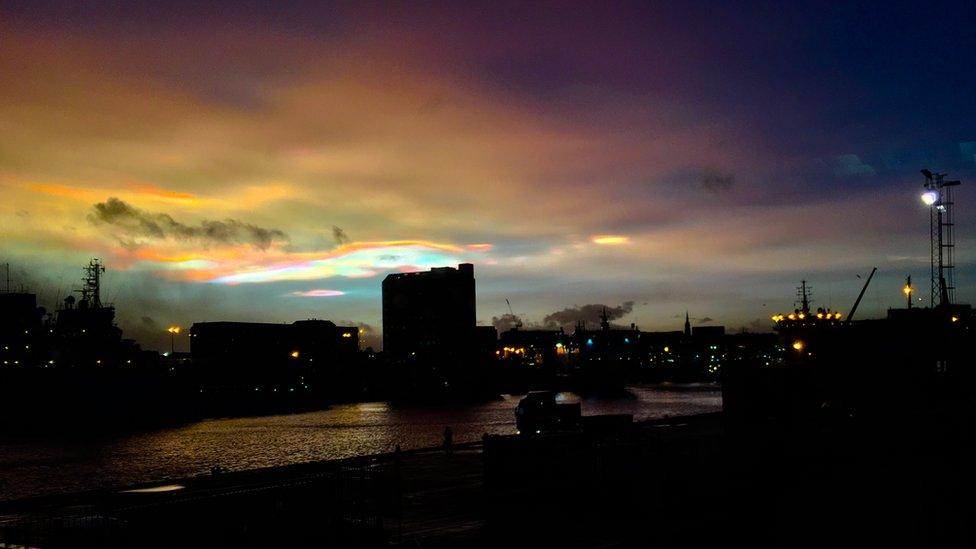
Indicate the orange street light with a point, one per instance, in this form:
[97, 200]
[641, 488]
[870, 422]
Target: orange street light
[173, 330]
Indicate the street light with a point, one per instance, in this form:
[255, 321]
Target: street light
[907, 290]
[173, 330]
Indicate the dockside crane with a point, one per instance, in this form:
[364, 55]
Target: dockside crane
[857, 302]
[518, 321]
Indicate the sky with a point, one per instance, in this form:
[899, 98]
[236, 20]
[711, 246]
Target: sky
[264, 162]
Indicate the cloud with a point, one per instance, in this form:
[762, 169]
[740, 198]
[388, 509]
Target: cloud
[968, 151]
[353, 260]
[705, 320]
[609, 239]
[130, 223]
[590, 314]
[505, 322]
[851, 165]
[319, 293]
[714, 181]
[339, 236]
[755, 326]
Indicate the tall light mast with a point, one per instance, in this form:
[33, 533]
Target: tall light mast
[938, 196]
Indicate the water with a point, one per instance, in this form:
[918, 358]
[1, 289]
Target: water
[42, 466]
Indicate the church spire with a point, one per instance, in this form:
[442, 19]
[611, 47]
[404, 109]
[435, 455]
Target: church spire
[687, 325]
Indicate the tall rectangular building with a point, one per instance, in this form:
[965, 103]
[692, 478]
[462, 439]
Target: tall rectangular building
[430, 314]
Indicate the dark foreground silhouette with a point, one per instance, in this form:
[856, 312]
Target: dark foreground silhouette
[684, 480]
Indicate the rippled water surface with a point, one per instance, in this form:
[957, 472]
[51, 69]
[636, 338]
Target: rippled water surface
[34, 467]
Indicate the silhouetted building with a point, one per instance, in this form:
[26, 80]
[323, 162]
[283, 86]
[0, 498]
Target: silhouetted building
[604, 357]
[485, 341]
[430, 314]
[18, 311]
[609, 343]
[534, 348]
[661, 350]
[706, 334]
[234, 352]
[707, 349]
[20, 328]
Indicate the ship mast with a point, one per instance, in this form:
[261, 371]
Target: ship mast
[91, 292]
[803, 294]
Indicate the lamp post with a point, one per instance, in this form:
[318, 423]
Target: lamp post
[173, 330]
[907, 290]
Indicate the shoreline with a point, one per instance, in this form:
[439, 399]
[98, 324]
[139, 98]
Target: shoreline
[297, 467]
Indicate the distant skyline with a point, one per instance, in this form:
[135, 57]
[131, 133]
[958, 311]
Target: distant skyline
[248, 161]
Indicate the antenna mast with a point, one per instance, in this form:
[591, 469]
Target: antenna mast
[803, 295]
[92, 289]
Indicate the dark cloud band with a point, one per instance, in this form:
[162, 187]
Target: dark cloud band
[590, 314]
[131, 222]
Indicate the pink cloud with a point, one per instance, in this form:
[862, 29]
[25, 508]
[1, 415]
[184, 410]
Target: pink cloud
[319, 293]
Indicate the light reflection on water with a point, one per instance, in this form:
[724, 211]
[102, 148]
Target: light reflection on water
[35, 467]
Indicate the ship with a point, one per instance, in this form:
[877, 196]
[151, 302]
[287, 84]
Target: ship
[833, 367]
[74, 371]
[81, 333]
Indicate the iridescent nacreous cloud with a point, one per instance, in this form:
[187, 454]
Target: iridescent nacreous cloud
[226, 160]
[355, 260]
[319, 293]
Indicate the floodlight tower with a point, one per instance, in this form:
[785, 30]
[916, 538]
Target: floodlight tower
[938, 196]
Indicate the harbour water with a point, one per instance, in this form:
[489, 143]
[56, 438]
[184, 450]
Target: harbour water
[31, 467]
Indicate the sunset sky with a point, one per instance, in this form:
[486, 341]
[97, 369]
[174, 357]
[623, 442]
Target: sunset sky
[245, 161]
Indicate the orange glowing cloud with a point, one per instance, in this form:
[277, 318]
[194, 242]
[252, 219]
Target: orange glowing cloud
[67, 191]
[609, 239]
[152, 190]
